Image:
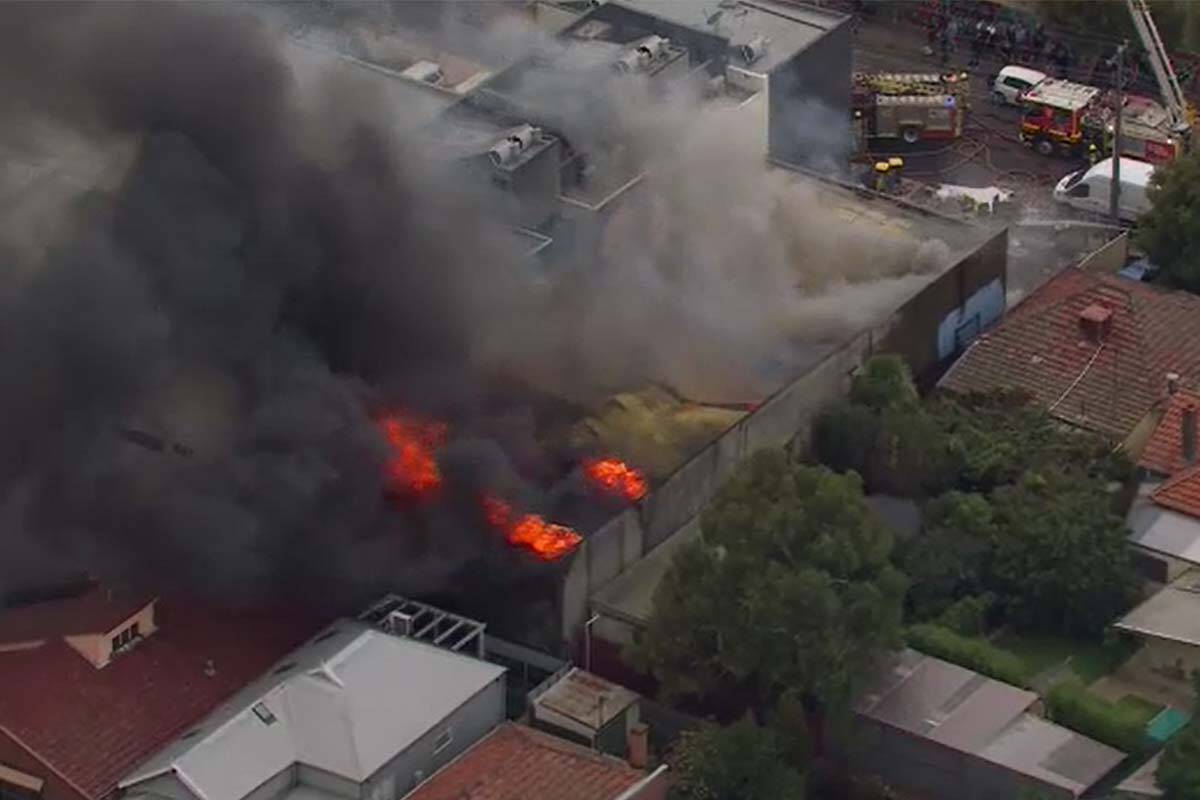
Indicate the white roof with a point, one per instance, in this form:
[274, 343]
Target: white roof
[1023, 73]
[1132, 170]
[347, 702]
[1172, 614]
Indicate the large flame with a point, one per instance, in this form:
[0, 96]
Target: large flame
[617, 477]
[546, 540]
[413, 468]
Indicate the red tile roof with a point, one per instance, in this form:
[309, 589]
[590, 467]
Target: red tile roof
[1040, 347]
[518, 763]
[93, 725]
[1164, 452]
[1181, 493]
[97, 610]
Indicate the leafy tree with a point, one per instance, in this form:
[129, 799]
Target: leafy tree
[844, 438]
[884, 382]
[1179, 770]
[1061, 561]
[1170, 232]
[740, 762]
[789, 589]
[948, 561]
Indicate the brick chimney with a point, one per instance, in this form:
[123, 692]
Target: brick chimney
[1188, 433]
[1095, 322]
[639, 745]
[1172, 383]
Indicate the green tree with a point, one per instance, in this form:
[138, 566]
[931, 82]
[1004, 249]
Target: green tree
[1179, 770]
[789, 589]
[883, 382]
[948, 560]
[1170, 232]
[1061, 562]
[740, 762]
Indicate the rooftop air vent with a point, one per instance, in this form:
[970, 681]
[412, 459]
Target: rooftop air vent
[1095, 322]
[425, 72]
[754, 49]
[399, 624]
[642, 54]
[512, 145]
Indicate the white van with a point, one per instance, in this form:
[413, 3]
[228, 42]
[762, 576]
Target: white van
[1014, 81]
[1088, 189]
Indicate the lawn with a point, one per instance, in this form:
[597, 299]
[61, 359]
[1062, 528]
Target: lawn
[1145, 709]
[1089, 660]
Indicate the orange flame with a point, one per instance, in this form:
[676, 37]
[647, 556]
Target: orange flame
[617, 477]
[546, 540]
[413, 468]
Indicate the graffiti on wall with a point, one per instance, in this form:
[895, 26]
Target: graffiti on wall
[963, 324]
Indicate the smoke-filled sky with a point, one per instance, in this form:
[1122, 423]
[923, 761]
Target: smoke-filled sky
[250, 271]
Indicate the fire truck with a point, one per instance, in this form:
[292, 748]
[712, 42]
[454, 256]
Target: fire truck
[1065, 118]
[908, 106]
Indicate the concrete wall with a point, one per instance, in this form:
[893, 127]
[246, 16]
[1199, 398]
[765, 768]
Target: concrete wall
[785, 418]
[15, 756]
[809, 94]
[467, 725]
[1108, 259]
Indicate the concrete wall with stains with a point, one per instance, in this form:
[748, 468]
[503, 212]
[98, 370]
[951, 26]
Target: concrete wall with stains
[914, 331]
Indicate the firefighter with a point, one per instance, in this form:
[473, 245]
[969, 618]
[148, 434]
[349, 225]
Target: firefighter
[895, 172]
[881, 175]
[1093, 153]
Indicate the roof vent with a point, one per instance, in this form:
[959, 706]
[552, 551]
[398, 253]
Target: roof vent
[399, 624]
[1172, 382]
[425, 72]
[642, 54]
[512, 145]
[754, 49]
[1095, 322]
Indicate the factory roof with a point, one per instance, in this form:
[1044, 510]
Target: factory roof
[974, 714]
[1108, 386]
[64, 711]
[514, 762]
[789, 28]
[631, 596]
[346, 702]
[97, 610]
[1173, 613]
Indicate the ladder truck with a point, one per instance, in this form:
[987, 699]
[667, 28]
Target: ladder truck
[1178, 113]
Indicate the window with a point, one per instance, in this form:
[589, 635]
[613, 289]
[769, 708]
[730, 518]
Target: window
[1082, 190]
[125, 637]
[1016, 83]
[443, 741]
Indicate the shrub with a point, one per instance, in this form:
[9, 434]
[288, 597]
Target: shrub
[845, 437]
[1070, 704]
[974, 654]
[968, 615]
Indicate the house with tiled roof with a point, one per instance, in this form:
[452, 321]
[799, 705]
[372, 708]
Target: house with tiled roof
[96, 681]
[1164, 519]
[514, 762]
[1096, 351]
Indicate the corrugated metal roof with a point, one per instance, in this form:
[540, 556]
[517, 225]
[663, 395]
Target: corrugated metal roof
[1172, 614]
[346, 702]
[1052, 754]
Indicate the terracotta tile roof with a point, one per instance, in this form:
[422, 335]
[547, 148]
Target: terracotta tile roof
[93, 725]
[1164, 452]
[514, 762]
[96, 610]
[1041, 347]
[1181, 493]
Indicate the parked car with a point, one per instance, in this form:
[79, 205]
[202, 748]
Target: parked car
[1089, 189]
[1012, 82]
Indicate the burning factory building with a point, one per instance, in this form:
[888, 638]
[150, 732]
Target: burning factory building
[295, 350]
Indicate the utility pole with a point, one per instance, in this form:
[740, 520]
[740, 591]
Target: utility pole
[1114, 194]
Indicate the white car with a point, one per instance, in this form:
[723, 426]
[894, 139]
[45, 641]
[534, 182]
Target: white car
[1012, 82]
[1090, 189]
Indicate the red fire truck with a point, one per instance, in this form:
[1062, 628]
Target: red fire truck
[908, 106]
[1066, 118]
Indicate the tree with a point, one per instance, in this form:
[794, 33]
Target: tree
[884, 382]
[1061, 562]
[1178, 772]
[948, 561]
[1170, 232]
[740, 762]
[789, 589]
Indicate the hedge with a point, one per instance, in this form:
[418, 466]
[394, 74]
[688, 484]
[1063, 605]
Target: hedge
[1070, 704]
[974, 654]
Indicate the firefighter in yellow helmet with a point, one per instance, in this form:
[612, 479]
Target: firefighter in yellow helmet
[1093, 153]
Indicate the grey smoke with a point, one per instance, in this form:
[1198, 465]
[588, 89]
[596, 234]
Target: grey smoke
[261, 263]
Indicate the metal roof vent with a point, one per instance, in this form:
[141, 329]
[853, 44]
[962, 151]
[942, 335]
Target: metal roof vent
[425, 72]
[512, 145]
[642, 54]
[754, 49]
[399, 624]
